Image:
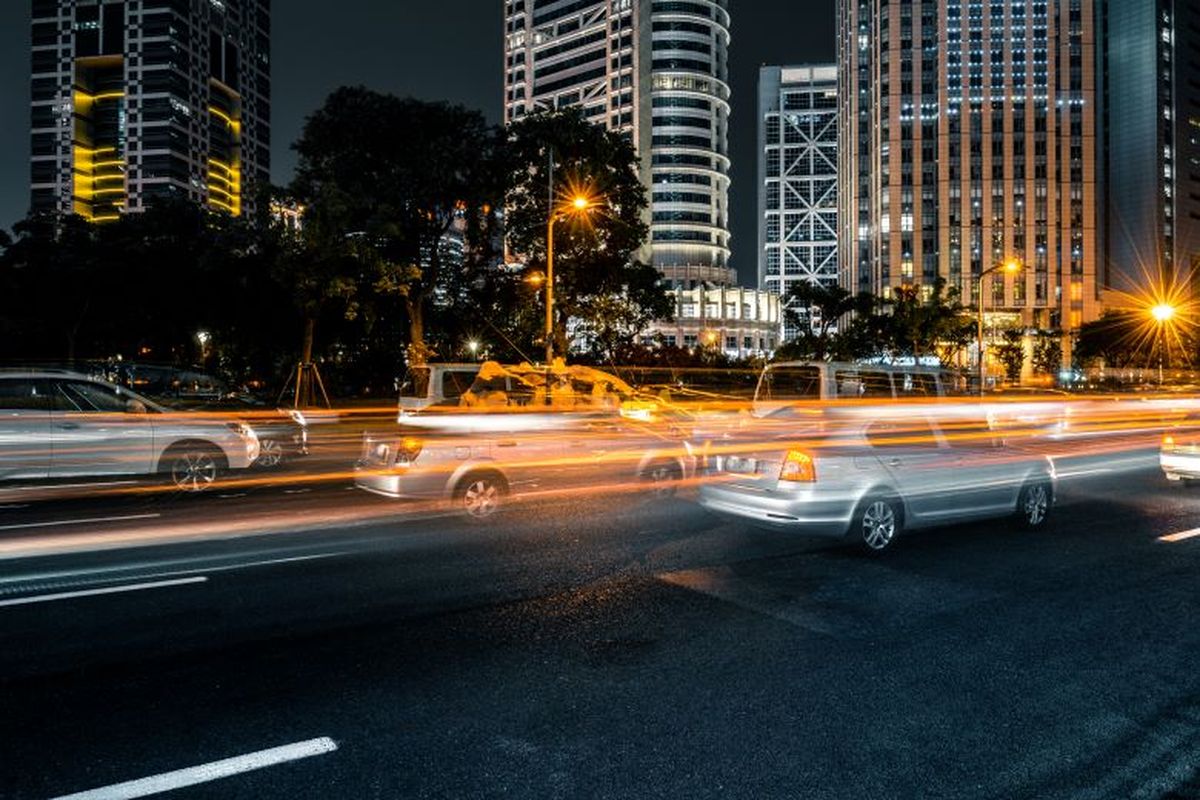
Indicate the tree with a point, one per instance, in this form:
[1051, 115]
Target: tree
[1011, 353]
[598, 280]
[826, 303]
[920, 321]
[1047, 353]
[395, 176]
[1110, 339]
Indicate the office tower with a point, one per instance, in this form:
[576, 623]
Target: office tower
[797, 176]
[1151, 125]
[134, 100]
[657, 71]
[968, 140]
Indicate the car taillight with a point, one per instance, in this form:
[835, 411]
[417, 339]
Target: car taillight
[1168, 440]
[409, 448]
[798, 466]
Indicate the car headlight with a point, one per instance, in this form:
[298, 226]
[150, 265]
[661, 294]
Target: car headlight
[241, 429]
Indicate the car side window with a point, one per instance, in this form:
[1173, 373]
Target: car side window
[24, 395]
[91, 397]
[901, 435]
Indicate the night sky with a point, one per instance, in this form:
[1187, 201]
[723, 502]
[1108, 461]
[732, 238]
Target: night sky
[432, 50]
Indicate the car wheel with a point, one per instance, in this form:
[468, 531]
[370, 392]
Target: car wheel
[481, 495]
[1034, 504]
[662, 478]
[270, 453]
[193, 467]
[877, 523]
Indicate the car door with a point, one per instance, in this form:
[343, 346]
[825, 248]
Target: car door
[919, 465]
[96, 432]
[987, 474]
[25, 419]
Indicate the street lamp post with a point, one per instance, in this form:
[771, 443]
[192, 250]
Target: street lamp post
[1163, 313]
[1010, 267]
[578, 204]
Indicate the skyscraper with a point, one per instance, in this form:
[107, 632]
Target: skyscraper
[138, 99]
[969, 139]
[1151, 125]
[657, 71]
[797, 170]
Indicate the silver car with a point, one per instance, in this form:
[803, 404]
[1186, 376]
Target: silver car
[57, 425]
[478, 461]
[854, 474]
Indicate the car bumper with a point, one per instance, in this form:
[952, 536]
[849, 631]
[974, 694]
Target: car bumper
[802, 514]
[1178, 466]
[397, 483]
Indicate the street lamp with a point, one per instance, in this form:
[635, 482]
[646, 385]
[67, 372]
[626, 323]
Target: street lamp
[1010, 267]
[1163, 314]
[473, 346]
[578, 205]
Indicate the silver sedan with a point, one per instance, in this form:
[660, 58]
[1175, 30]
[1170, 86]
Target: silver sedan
[856, 475]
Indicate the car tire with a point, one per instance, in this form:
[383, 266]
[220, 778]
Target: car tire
[270, 453]
[1034, 504]
[192, 467]
[877, 522]
[662, 479]
[481, 495]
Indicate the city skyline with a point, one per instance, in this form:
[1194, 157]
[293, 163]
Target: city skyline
[363, 36]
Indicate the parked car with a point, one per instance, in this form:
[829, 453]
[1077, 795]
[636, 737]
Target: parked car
[56, 425]
[789, 382]
[435, 385]
[282, 433]
[858, 474]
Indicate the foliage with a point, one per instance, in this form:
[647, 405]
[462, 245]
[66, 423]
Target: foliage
[1011, 354]
[598, 279]
[1109, 339]
[1047, 353]
[828, 304]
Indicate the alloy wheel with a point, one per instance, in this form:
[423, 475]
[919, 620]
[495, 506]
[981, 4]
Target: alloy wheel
[481, 498]
[194, 471]
[878, 524]
[1035, 506]
[662, 479]
[270, 453]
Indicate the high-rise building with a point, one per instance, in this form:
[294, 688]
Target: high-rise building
[134, 100]
[658, 72]
[797, 172]
[968, 133]
[1151, 124]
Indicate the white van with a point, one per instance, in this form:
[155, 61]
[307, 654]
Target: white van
[788, 382]
[428, 385]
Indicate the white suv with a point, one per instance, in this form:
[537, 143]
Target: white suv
[65, 425]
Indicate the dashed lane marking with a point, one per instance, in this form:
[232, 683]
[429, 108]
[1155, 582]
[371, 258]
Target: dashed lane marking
[204, 773]
[86, 521]
[129, 587]
[1179, 537]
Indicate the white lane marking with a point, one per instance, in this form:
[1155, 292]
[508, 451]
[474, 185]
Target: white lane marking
[12, 506]
[296, 491]
[231, 495]
[129, 587]
[56, 486]
[87, 521]
[214, 770]
[1179, 537]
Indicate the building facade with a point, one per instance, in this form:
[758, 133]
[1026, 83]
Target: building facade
[1151, 124]
[659, 73]
[737, 321]
[969, 140]
[134, 100]
[797, 170]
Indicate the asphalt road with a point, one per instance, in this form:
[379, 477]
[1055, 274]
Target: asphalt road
[614, 647]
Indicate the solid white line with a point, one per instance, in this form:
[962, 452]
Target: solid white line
[129, 587]
[214, 770]
[125, 518]
[56, 486]
[1179, 537]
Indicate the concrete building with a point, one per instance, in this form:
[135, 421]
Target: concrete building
[134, 100]
[969, 139]
[797, 177]
[1151, 124]
[657, 71]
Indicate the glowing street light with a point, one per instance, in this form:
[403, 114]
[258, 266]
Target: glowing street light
[1163, 312]
[473, 346]
[1010, 267]
[579, 204]
[1163, 315]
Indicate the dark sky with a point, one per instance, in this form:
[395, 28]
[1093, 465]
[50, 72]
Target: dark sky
[443, 49]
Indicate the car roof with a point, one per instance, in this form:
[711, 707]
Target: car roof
[46, 373]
